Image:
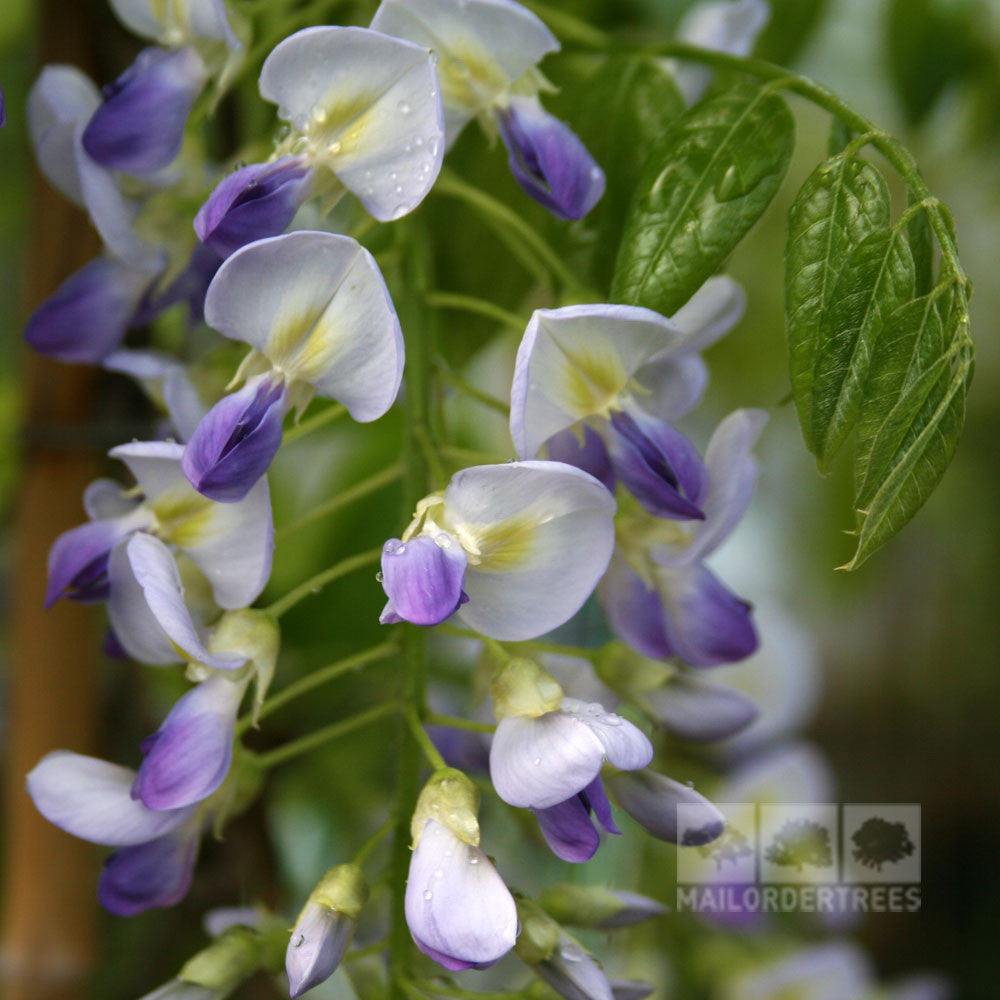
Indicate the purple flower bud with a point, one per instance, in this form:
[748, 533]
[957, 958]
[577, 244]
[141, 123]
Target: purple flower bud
[139, 127]
[236, 441]
[630, 989]
[88, 315]
[573, 974]
[190, 287]
[652, 800]
[422, 579]
[189, 756]
[154, 874]
[658, 465]
[78, 562]
[548, 160]
[699, 710]
[591, 455]
[251, 203]
[316, 947]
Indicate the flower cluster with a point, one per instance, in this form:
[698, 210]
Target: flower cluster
[606, 494]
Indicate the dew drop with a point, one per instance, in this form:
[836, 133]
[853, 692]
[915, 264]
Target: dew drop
[334, 148]
[439, 873]
[300, 941]
[689, 783]
[399, 189]
[404, 108]
[393, 176]
[428, 894]
[418, 142]
[378, 577]
[538, 761]
[571, 952]
[595, 173]
[473, 861]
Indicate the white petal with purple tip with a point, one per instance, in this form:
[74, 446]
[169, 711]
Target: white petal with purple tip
[91, 799]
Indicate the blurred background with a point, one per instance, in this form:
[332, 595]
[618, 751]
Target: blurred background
[905, 705]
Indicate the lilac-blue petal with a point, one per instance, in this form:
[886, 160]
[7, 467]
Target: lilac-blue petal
[86, 318]
[451, 964]
[78, 562]
[657, 464]
[423, 579]
[596, 798]
[189, 756]
[700, 710]
[634, 611]
[139, 127]
[253, 202]
[154, 874]
[568, 830]
[236, 441]
[548, 160]
[591, 455]
[705, 622]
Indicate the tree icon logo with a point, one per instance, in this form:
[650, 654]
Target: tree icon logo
[728, 849]
[878, 841]
[801, 842]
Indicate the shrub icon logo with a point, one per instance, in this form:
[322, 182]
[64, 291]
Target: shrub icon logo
[801, 842]
[881, 843]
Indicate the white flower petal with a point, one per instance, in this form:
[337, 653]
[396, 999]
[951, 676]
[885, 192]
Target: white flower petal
[156, 571]
[625, 746]
[106, 499]
[539, 536]
[456, 902]
[538, 763]
[573, 363]
[791, 772]
[61, 99]
[138, 16]
[710, 313]
[133, 624]
[672, 385]
[156, 466]
[317, 307]
[91, 799]
[369, 108]
[482, 46]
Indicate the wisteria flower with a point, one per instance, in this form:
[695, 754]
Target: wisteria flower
[231, 544]
[315, 310]
[599, 384]
[91, 799]
[458, 908]
[487, 53]
[658, 594]
[514, 549]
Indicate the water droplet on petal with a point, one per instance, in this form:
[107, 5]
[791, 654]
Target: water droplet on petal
[334, 148]
[418, 142]
[571, 952]
[428, 894]
[439, 873]
[379, 577]
[404, 108]
[538, 761]
[300, 940]
[399, 189]
[473, 860]
[689, 783]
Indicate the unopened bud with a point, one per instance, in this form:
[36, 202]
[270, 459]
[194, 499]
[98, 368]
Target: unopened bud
[629, 673]
[325, 928]
[225, 963]
[654, 800]
[539, 935]
[573, 973]
[594, 906]
[453, 800]
[522, 688]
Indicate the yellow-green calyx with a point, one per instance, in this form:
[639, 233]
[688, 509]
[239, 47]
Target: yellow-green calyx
[539, 935]
[255, 635]
[629, 673]
[226, 962]
[522, 688]
[452, 800]
[342, 889]
[580, 905]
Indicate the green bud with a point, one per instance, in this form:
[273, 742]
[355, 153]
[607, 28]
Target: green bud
[539, 935]
[342, 889]
[451, 799]
[255, 635]
[597, 907]
[629, 673]
[225, 963]
[522, 688]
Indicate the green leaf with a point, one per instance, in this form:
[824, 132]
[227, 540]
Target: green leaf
[790, 26]
[705, 185]
[918, 231]
[912, 413]
[842, 201]
[620, 112]
[876, 279]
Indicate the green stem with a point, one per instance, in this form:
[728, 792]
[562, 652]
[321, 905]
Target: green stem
[316, 678]
[310, 741]
[422, 740]
[367, 486]
[420, 453]
[456, 722]
[481, 307]
[321, 419]
[489, 207]
[459, 383]
[367, 951]
[316, 583]
[369, 846]
[467, 456]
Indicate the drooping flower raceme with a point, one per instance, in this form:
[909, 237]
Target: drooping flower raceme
[458, 909]
[315, 310]
[488, 51]
[229, 544]
[364, 115]
[658, 594]
[547, 755]
[514, 549]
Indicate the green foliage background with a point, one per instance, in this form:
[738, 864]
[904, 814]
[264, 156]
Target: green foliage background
[908, 644]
